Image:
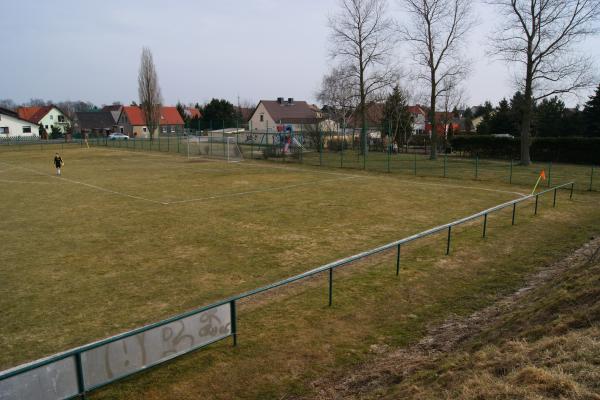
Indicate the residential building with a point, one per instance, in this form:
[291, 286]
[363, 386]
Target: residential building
[11, 125]
[419, 116]
[281, 115]
[192, 113]
[114, 110]
[94, 123]
[445, 122]
[47, 116]
[132, 122]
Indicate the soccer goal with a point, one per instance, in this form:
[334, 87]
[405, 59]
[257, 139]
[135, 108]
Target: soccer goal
[215, 147]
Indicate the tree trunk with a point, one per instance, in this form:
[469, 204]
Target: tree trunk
[363, 116]
[433, 154]
[527, 111]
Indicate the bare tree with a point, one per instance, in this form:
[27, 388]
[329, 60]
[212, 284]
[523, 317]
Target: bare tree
[149, 91]
[451, 99]
[363, 40]
[436, 31]
[338, 92]
[539, 36]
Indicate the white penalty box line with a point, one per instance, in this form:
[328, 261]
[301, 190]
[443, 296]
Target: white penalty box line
[200, 199]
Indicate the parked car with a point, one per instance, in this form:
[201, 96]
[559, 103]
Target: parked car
[118, 136]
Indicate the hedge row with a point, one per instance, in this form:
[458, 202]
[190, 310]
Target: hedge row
[577, 150]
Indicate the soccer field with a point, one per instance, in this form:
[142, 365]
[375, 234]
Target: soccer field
[126, 238]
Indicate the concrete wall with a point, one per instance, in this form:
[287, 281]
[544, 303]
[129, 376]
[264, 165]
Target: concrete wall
[15, 127]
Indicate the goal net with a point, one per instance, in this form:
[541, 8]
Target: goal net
[216, 147]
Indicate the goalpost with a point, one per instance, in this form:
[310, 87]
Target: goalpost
[215, 147]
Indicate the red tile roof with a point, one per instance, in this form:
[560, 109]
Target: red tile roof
[193, 112]
[168, 116]
[33, 114]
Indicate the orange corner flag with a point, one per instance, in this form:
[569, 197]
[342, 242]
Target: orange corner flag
[543, 175]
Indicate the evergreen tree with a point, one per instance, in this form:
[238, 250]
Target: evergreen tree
[591, 115]
[549, 118]
[397, 120]
[219, 113]
[503, 121]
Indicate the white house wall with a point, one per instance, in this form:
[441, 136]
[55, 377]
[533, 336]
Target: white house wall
[15, 127]
[51, 119]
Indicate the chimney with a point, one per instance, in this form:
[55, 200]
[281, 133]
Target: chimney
[280, 100]
[290, 101]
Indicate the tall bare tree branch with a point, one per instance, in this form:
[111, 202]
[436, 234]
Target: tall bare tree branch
[149, 92]
[436, 33]
[363, 39]
[539, 36]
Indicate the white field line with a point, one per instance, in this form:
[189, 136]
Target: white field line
[449, 185]
[89, 185]
[26, 182]
[238, 194]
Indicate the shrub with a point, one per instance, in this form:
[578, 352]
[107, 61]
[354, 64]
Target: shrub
[578, 150]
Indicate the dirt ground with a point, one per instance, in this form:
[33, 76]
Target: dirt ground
[390, 366]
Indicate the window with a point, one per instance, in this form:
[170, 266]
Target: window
[172, 129]
[262, 118]
[46, 126]
[144, 129]
[52, 117]
[61, 118]
[164, 130]
[27, 129]
[4, 129]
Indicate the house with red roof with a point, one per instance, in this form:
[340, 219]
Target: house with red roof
[132, 122]
[445, 122]
[11, 125]
[47, 116]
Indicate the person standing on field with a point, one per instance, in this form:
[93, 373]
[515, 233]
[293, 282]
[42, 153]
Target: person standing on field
[58, 163]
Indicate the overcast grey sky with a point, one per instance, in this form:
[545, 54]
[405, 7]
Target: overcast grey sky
[254, 49]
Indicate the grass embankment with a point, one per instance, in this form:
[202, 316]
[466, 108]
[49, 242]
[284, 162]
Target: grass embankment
[294, 338]
[540, 342]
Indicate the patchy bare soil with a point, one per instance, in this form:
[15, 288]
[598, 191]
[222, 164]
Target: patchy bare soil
[389, 367]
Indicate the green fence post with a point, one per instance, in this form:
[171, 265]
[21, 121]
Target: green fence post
[320, 148]
[168, 144]
[554, 201]
[80, 381]
[476, 167]
[445, 161]
[514, 212]
[389, 154]
[398, 262]
[415, 163]
[342, 152]
[233, 322]
[536, 204]
[484, 224]
[449, 237]
[572, 187]
[178, 142]
[330, 286]
[592, 179]
[549, 173]
[511, 172]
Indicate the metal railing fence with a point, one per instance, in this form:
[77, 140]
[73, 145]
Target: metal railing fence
[75, 372]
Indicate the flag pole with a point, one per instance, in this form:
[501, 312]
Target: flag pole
[542, 176]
